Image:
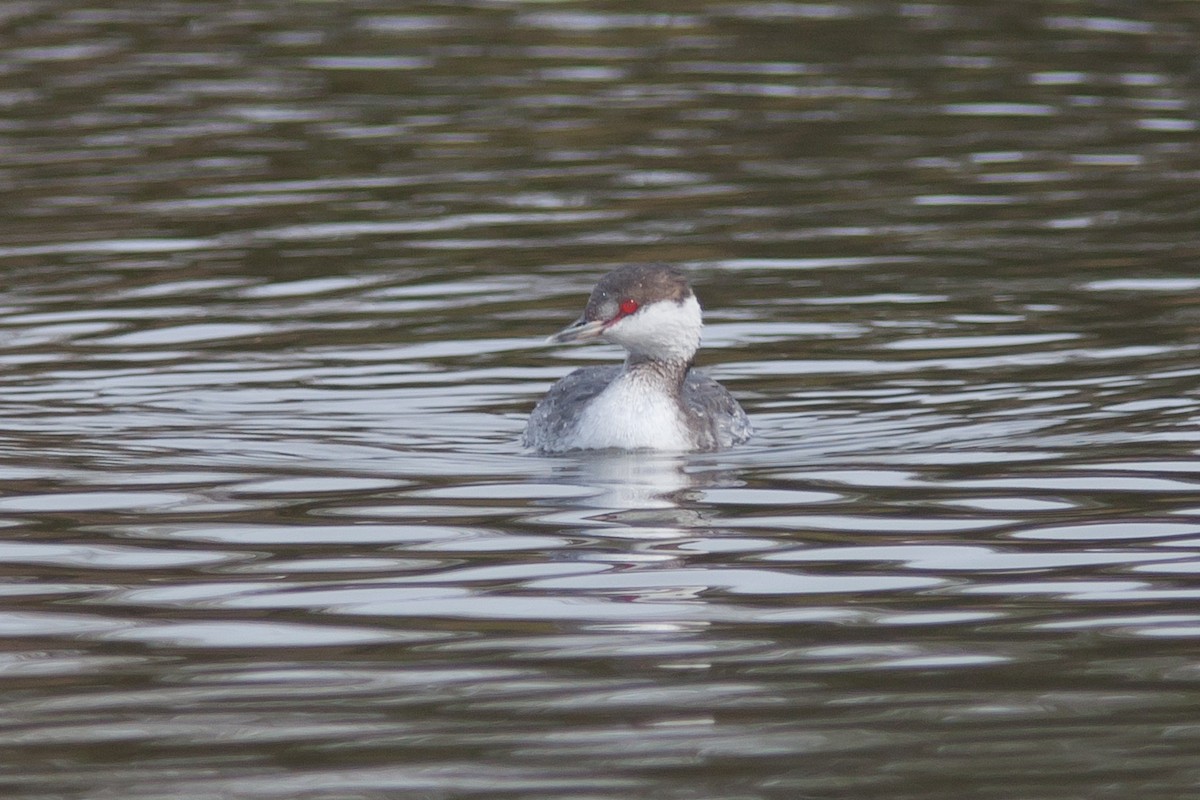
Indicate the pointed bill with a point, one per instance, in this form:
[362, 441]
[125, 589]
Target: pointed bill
[581, 330]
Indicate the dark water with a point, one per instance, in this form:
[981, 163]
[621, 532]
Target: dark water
[274, 282]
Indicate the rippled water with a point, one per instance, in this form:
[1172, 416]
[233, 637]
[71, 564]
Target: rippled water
[275, 281]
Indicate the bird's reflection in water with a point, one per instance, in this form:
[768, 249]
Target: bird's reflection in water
[644, 490]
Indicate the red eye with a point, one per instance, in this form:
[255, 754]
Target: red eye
[628, 307]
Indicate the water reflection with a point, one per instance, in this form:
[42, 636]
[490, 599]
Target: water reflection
[271, 286]
[631, 482]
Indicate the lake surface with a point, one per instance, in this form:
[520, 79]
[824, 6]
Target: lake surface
[276, 279]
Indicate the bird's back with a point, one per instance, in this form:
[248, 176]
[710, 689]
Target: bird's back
[716, 419]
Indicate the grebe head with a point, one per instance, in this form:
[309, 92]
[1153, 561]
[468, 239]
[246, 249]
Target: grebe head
[648, 310]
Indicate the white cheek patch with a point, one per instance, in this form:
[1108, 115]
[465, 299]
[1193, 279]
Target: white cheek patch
[665, 330]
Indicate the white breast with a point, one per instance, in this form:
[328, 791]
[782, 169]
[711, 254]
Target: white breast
[632, 414]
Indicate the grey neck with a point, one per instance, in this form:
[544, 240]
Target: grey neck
[668, 372]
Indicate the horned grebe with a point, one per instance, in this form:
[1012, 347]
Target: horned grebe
[656, 400]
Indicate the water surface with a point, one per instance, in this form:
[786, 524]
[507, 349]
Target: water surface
[275, 281]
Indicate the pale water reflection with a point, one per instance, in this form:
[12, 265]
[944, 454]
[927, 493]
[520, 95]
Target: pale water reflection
[274, 288]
